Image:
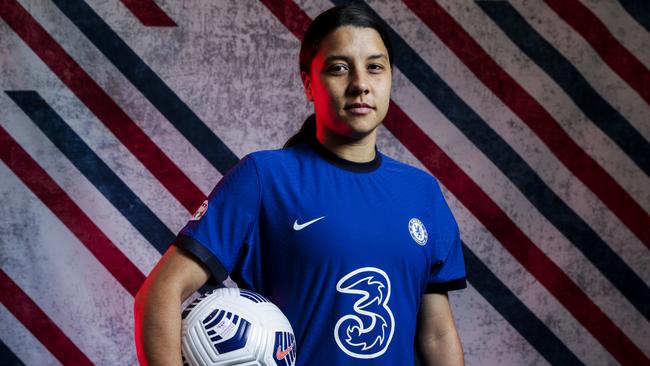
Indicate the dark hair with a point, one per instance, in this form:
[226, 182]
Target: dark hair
[325, 23]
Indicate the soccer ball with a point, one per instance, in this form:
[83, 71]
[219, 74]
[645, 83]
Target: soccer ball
[232, 326]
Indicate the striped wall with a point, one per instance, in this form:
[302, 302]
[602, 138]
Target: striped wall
[118, 117]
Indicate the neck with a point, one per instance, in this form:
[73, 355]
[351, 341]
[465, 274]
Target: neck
[360, 150]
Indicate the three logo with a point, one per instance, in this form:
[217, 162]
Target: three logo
[368, 329]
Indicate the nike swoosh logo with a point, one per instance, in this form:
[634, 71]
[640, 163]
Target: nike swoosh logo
[298, 227]
[280, 355]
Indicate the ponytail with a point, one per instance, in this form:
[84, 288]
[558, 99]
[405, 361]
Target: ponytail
[307, 130]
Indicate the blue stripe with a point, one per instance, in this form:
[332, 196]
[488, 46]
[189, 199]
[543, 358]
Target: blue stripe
[8, 358]
[211, 324]
[519, 173]
[237, 341]
[516, 313]
[149, 84]
[639, 10]
[254, 297]
[211, 315]
[603, 115]
[94, 169]
[215, 339]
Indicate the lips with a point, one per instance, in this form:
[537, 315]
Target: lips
[359, 108]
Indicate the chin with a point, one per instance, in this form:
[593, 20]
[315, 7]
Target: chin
[360, 127]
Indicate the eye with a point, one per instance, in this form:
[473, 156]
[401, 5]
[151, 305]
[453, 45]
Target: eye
[337, 69]
[376, 68]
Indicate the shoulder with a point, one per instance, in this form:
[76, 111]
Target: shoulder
[417, 184]
[275, 157]
[409, 173]
[274, 161]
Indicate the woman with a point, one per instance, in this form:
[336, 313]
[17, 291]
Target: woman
[357, 249]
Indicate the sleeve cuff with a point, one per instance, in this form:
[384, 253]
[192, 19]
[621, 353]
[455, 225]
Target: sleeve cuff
[441, 287]
[214, 265]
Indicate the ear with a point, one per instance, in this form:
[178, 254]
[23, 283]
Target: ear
[306, 82]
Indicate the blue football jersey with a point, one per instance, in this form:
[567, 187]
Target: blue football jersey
[346, 250]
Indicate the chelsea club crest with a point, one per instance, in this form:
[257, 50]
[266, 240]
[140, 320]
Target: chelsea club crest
[418, 231]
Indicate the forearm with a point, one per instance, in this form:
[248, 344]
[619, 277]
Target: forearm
[157, 313]
[445, 350]
[157, 307]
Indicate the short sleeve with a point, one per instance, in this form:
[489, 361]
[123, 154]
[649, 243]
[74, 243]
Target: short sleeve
[447, 272]
[218, 230]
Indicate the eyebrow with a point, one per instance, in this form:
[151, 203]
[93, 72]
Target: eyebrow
[349, 60]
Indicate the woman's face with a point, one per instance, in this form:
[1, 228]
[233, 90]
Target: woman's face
[350, 81]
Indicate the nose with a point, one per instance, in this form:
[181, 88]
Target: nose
[358, 84]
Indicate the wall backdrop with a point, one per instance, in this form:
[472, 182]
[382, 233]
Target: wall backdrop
[118, 117]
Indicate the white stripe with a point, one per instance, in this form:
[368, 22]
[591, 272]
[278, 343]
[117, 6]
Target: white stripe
[31, 74]
[544, 90]
[516, 206]
[527, 289]
[487, 338]
[22, 343]
[470, 89]
[480, 343]
[607, 83]
[118, 158]
[505, 123]
[504, 195]
[241, 81]
[623, 27]
[130, 100]
[81, 191]
[63, 278]
[314, 7]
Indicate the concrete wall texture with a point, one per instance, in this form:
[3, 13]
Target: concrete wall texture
[117, 118]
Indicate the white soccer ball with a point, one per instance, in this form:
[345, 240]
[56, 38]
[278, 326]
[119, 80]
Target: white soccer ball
[232, 326]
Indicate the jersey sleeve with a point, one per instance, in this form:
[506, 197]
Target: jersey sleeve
[216, 233]
[447, 272]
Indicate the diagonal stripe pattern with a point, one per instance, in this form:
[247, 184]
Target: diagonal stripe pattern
[98, 101]
[507, 300]
[553, 208]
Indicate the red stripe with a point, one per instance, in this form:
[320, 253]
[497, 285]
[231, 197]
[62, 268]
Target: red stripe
[291, 15]
[101, 104]
[38, 323]
[622, 61]
[513, 239]
[55, 198]
[149, 13]
[535, 116]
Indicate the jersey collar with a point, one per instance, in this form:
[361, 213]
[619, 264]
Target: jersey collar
[348, 165]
